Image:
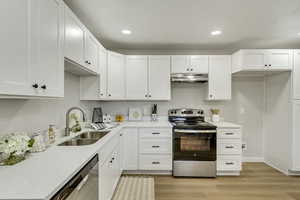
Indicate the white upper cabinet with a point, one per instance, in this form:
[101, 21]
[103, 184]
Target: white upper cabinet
[47, 44]
[36, 29]
[148, 78]
[219, 83]
[197, 64]
[91, 52]
[280, 59]
[136, 77]
[296, 75]
[15, 70]
[115, 75]
[180, 64]
[74, 37]
[261, 60]
[159, 78]
[102, 61]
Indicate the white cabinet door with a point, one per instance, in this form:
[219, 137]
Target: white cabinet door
[296, 75]
[74, 38]
[136, 77]
[180, 64]
[47, 43]
[115, 76]
[296, 136]
[91, 52]
[102, 56]
[106, 179]
[159, 78]
[254, 59]
[219, 83]
[130, 149]
[199, 64]
[280, 59]
[15, 70]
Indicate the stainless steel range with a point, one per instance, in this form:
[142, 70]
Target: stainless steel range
[194, 144]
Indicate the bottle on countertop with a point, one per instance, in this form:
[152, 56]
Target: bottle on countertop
[52, 133]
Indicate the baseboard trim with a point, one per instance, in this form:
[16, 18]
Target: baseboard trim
[253, 159]
[278, 169]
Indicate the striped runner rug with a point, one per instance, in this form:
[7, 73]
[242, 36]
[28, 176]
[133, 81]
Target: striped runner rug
[135, 188]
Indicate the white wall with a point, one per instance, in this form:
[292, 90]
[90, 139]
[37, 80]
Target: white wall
[34, 115]
[278, 121]
[245, 108]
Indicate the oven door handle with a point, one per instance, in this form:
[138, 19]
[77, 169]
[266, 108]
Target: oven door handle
[194, 131]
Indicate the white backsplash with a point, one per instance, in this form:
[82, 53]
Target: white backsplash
[245, 108]
[34, 115]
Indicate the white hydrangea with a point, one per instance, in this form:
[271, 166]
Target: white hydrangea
[14, 143]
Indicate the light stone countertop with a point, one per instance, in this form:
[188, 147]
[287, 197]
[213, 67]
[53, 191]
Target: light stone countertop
[42, 174]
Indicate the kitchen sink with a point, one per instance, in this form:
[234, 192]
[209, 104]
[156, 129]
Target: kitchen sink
[85, 138]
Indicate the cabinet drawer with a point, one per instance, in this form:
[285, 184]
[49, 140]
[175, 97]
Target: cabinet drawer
[155, 162]
[155, 132]
[229, 133]
[229, 147]
[156, 145]
[229, 163]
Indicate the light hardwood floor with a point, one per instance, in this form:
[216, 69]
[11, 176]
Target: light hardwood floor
[257, 182]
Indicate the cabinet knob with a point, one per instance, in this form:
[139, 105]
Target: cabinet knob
[191, 69]
[266, 65]
[149, 95]
[146, 95]
[44, 87]
[187, 69]
[270, 65]
[109, 95]
[87, 62]
[101, 94]
[35, 85]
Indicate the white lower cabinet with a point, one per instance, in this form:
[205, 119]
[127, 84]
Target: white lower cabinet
[110, 168]
[129, 143]
[155, 162]
[155, 149]
[296, 137]
[229, 151]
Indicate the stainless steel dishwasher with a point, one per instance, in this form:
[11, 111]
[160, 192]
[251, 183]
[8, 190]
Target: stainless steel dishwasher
[83, 186]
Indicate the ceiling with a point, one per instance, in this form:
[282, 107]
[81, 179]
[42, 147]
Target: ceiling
[187, 24]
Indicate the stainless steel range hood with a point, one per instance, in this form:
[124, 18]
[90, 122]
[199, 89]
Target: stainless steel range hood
[189, 78]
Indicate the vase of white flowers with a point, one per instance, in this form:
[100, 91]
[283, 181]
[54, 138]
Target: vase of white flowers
[13, 148]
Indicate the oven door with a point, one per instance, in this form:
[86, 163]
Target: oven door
[194, 145]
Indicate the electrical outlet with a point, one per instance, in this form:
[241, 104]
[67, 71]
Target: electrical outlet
[244, 146]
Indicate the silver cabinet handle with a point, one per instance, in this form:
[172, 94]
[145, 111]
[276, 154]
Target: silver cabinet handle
[194, 131]
[229, 163]
[155, 163]
[155, 133]
[228, 133]
[229, 147]
[155, 146]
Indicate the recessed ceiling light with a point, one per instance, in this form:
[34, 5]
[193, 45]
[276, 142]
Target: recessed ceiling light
[216, 32]
[126, 32]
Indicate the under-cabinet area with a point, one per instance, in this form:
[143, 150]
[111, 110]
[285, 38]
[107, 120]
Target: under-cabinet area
[117, 100]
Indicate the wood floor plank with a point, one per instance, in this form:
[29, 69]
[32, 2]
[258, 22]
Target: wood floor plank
[258, 181]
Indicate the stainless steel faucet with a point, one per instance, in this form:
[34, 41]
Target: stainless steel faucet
[67, 130]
